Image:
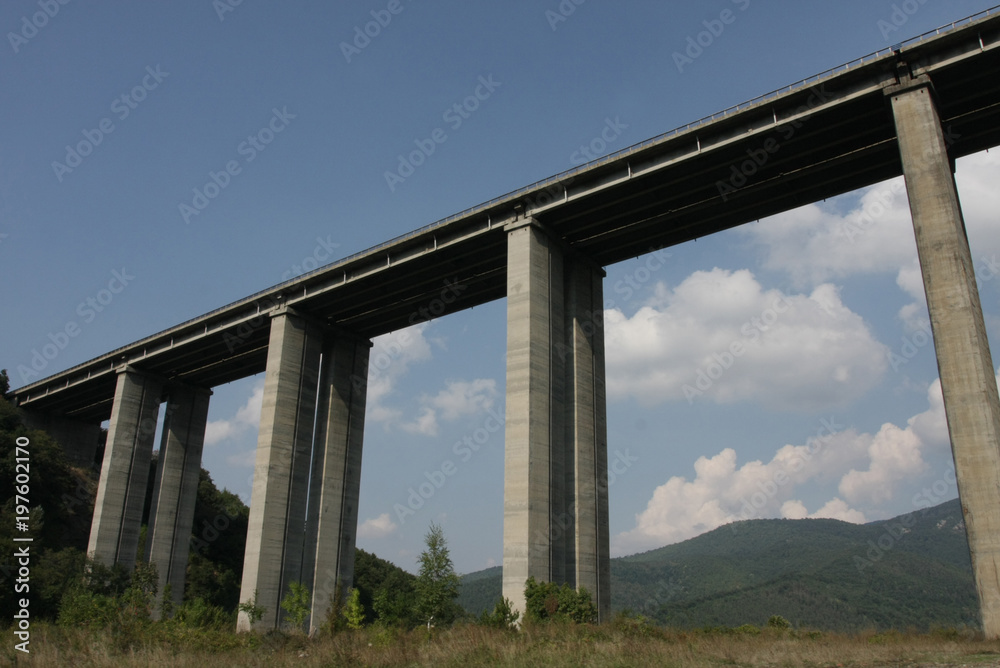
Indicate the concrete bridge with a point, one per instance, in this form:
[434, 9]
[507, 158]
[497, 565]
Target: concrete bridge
[911, 110]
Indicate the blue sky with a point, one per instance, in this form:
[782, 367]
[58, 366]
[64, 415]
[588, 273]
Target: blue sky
[117, 117]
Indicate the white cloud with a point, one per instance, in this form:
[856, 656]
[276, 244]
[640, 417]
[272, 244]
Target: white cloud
[459, 398]
[388, 361]
[247, 418]
[719, 335]
[379, 527]
[871, 469]
[817, 243]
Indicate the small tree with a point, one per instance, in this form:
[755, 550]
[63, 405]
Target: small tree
[354, 611]
[437, 584]
[502, 617]
[253, 611]
[296, 604]
[547, 600]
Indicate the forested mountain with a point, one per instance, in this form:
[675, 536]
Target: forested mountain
[910, 571]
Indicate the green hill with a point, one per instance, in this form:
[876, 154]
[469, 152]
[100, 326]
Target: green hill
[910, 571]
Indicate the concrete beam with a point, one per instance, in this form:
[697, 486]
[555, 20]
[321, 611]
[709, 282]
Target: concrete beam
[176, 488]
[121, 492]
[968, 379]
[276, 532]
[555, 459]
[336, 474]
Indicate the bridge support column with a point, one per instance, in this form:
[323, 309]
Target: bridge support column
[555, 461]
[336, 474]
[276, 532]
[966, 369]
[284, 543]
[176, 488]
[121, 492]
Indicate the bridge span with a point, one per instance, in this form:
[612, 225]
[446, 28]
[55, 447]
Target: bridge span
[911, 110]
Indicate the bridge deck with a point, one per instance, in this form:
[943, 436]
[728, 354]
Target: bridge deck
[821, 138]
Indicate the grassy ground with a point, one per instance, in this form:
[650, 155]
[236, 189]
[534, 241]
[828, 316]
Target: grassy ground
[619, 645]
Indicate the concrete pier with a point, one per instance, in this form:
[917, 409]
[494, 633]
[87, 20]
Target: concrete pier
[963, 355]
[176, 488]
[555, 503]
[276, 532]
[285, 543]
[121, 492]
[332, 524]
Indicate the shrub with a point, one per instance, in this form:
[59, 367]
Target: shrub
[778, 622]
[502, 617]
[547, 600]
[296, 604]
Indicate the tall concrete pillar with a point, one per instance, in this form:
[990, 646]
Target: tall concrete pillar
[555, 459]
[966, 369]
[336, 473]
[176, 488]
[78, 439]
[121, 492]
[587, 432]
[277, 524]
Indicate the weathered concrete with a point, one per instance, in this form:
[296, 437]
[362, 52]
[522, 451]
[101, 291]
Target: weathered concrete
[587, 432]
[555, 461]
[78, 439]
[336, 473]
[966, 369]
[121, 492]
[276, 533]
[176, 488]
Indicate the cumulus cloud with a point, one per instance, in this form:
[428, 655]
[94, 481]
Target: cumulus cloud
[823, 242]
[721, 336]
[459, 398]
[378, 527]
[389, 360]
[247, 418]
[869, 469]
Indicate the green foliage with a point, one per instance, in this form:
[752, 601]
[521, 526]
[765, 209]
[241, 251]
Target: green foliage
[354, 612]
[198, 614]
[778, 622]
[747, 630]
[387, 592]
[4, 383]
[437, 583]
[253, 611]
[550, 601]
[296, 604]
[502, 617]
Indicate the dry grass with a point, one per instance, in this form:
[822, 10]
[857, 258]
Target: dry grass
[465, 646]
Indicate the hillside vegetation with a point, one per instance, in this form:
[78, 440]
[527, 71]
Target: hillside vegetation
[912, 571]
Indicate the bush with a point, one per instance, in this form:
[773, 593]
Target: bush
[199, 614]
[296, 604]
[547, 600]
[502, 617]
[778, 622]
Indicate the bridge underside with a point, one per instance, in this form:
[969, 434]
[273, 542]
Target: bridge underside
[543, 248]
